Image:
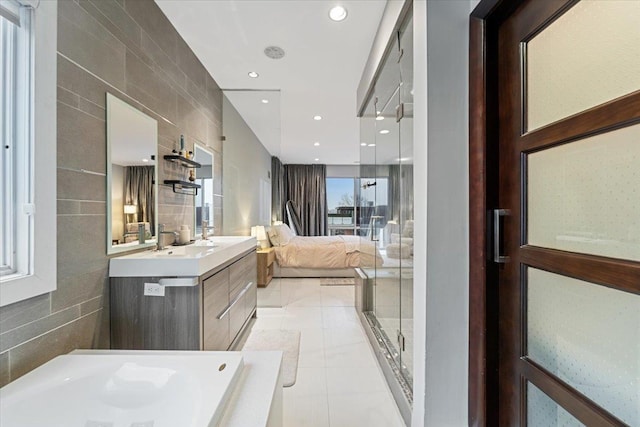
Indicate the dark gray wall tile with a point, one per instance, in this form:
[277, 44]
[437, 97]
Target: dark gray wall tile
[81, 287]
[92, 109]
[67, 97]
[113, 17]
[81, 246]
[81, 140]
[78, 81]
[31, 330]
[20, 313]
[86, 22]
[4, 369]
[91, 306]
[88, 207]
[77, 185]
[79, 334]
[164, 63]
[191, 119]
[96, 50]
[191, 65]
[149, 16]
[68, 207]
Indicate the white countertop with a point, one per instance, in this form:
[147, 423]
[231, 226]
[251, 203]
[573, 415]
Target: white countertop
[181, 261]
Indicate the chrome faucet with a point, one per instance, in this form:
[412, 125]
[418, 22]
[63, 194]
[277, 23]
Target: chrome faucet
[161, 232]
[205, 228]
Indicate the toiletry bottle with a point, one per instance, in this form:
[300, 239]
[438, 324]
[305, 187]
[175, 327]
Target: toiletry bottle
[185, 234]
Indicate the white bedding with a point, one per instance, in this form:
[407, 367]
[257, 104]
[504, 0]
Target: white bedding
[327, 252]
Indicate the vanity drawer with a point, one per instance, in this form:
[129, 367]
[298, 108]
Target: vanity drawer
[215, 301]
[241, 273]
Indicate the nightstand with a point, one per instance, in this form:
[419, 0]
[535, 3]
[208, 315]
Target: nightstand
[266, 257]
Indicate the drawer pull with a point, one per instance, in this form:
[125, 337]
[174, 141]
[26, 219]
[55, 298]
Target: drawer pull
[235, 301]
[179, 282]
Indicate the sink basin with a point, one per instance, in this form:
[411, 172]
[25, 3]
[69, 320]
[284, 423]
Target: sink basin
[181, 261]
[117, 389]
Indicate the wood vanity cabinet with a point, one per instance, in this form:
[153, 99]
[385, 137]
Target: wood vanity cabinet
[201, 313]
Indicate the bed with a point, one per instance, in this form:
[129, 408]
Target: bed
[320, 256]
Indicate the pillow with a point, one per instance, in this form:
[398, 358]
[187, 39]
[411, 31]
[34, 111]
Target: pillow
[280, 235]
[274, 238]
[285, 234]
[407, 231]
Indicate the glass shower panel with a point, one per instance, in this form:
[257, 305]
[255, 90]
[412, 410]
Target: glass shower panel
[366, 199]
[405, 201]
[388, 205]
[385, 217]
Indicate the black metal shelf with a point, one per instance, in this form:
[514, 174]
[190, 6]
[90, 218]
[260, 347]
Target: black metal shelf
[180, 185]
[187, 163]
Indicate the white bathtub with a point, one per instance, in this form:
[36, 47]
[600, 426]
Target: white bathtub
[164, 389]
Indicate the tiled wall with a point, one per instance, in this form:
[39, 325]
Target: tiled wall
[127, 48]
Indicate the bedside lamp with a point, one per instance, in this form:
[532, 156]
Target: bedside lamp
[129, 210]
[261, 236]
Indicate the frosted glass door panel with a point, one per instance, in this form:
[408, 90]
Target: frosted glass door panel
[584, 196]
[543, 411]
[589, 336]
[588, 56]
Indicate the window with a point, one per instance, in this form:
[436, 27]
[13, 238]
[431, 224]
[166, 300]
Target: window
[28, 166]
[16, 75]
[341, 206]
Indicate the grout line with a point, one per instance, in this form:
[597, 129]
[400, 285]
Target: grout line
[115, 88]
[81, 200]
[54, 329]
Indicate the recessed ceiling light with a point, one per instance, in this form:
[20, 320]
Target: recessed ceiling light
[265, 101]
[317, 117]
[316, 144]
[384, 132]
[253, 74]
[380, 118]
[364, 144]
[371, 145]
[145, 160]
[338, 13]
[316, 159]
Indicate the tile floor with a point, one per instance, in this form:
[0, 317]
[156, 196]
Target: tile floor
[339, 382]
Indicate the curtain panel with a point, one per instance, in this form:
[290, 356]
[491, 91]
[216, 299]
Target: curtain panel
[138, 191]
[277, 190]
[400, 192]
[306, 187]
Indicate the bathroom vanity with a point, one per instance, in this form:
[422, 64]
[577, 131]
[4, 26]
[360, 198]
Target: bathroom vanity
[197, 297]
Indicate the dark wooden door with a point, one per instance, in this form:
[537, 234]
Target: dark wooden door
[567, 235]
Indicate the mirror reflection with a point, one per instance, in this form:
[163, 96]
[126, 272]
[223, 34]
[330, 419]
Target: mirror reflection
[204, 198]
[131, 176]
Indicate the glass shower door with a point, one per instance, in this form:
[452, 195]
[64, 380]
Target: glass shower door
[386, 210]
[388, 279]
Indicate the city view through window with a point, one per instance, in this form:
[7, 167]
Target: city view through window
[350, 205]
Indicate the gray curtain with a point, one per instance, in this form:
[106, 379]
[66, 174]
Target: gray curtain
[139, 191]
[400, 192]
[306, 187]
[277, 190]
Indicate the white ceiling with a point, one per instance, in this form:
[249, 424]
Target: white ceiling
[318, 75]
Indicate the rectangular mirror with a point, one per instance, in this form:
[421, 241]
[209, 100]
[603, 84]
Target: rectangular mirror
[204, 199]
[132, 144]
